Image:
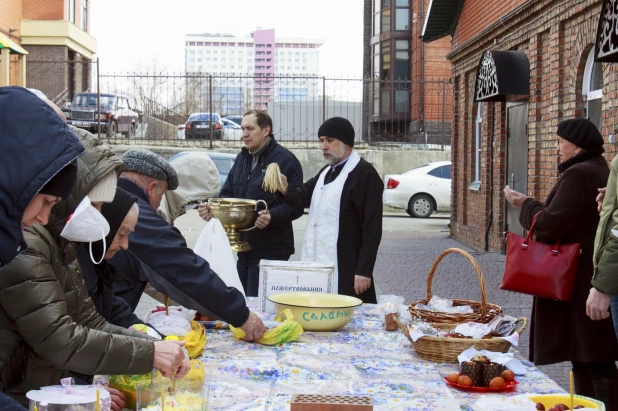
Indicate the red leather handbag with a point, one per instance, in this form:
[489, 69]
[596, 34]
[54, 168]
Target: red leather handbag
[538, 269]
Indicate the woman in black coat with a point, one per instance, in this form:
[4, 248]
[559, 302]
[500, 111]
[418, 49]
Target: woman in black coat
[561, 331]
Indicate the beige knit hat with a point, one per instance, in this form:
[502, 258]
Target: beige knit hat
[105, 190]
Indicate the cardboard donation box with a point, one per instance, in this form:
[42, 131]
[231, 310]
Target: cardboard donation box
[287, 276]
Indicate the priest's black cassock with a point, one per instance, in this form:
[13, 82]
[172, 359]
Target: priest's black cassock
[360, 222]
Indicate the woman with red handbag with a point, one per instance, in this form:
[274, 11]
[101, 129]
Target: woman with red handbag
[561, 331]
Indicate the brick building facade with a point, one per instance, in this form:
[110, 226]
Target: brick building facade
[517, 143]
[55, 33]
[407, 91]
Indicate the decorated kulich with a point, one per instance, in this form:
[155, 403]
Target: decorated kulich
[481, 370]
[491, 371]
[481, 359]
[474, 370]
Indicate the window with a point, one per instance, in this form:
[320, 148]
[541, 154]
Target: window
[592, 89]
[441, 172]
[386, 20]
[477, 157]
[84, 15]
[72, 11]
[402, 19]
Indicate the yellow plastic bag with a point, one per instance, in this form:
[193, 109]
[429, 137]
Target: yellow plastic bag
[128, 383]
[195, 340]
[288, 330]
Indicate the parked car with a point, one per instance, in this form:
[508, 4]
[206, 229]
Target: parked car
[231, 130]
[420, 191]
[116, 114]
[235, 119]
[223, 162]
[198, 126]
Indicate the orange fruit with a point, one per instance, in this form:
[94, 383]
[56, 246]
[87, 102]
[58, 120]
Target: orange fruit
[452, 377]
[464, 380]
[497, 382]
[508, 375]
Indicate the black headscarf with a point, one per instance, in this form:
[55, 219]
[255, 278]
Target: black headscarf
[115, 213]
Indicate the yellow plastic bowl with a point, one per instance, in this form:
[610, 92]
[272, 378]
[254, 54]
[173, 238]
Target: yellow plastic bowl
[550, 400]
[317, 311]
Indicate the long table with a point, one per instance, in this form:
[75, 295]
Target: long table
[360, 359]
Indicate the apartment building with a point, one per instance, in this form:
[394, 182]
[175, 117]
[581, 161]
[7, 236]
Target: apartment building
[254, 70]
[54, 35]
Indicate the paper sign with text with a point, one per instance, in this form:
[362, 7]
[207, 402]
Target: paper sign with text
[286, 276]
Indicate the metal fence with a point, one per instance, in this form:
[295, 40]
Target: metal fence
[385, 113]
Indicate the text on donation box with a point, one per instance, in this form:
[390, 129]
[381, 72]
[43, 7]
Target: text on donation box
[292, 276]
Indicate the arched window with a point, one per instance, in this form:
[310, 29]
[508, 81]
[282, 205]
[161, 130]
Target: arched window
[592, 89]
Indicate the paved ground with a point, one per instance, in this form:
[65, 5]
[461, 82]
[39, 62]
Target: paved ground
[409, 248]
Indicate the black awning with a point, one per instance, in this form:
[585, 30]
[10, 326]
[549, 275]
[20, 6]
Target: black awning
[606, 45]
[501, 74]
[442, 17]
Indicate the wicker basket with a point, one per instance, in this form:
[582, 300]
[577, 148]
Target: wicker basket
[446, 349]
[483, 312]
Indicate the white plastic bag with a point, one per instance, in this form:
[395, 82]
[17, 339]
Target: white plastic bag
[214, 247]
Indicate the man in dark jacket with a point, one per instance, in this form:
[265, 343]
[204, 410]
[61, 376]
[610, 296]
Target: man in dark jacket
[162, 254]
[274, 237]
[345, 216]
[39, 148]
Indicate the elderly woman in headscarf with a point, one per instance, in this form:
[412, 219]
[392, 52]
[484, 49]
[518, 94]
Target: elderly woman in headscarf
[561, 331]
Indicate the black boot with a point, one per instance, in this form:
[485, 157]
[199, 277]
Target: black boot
[606, 390]
[583, 383]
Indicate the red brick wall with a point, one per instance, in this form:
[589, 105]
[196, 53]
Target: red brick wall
[436, 67]
[557, 38]
[10, 16]
[44, 9]
[477, 15]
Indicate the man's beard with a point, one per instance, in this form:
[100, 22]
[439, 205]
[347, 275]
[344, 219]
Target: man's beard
[334, 157]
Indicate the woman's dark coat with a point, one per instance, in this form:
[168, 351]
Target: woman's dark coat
[561, 331]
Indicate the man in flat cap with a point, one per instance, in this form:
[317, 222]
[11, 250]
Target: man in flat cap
[159, 254]
[345, 207]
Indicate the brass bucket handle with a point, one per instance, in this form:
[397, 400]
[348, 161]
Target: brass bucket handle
[256, 207]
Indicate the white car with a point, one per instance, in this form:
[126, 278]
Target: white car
[420, 191]
[231, 130]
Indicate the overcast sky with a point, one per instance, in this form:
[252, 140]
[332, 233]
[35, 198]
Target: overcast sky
[134, 33]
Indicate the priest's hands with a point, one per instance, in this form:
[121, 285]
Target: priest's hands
[283, 185]
[253, 327]
[597, 306]
[263, 219]
[361, 284]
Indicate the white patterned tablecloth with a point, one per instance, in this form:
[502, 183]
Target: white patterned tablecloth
[359, 359]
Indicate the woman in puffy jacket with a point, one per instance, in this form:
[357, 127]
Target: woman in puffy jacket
[37, 168]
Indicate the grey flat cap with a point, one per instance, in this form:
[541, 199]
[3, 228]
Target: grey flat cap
[150, 164]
